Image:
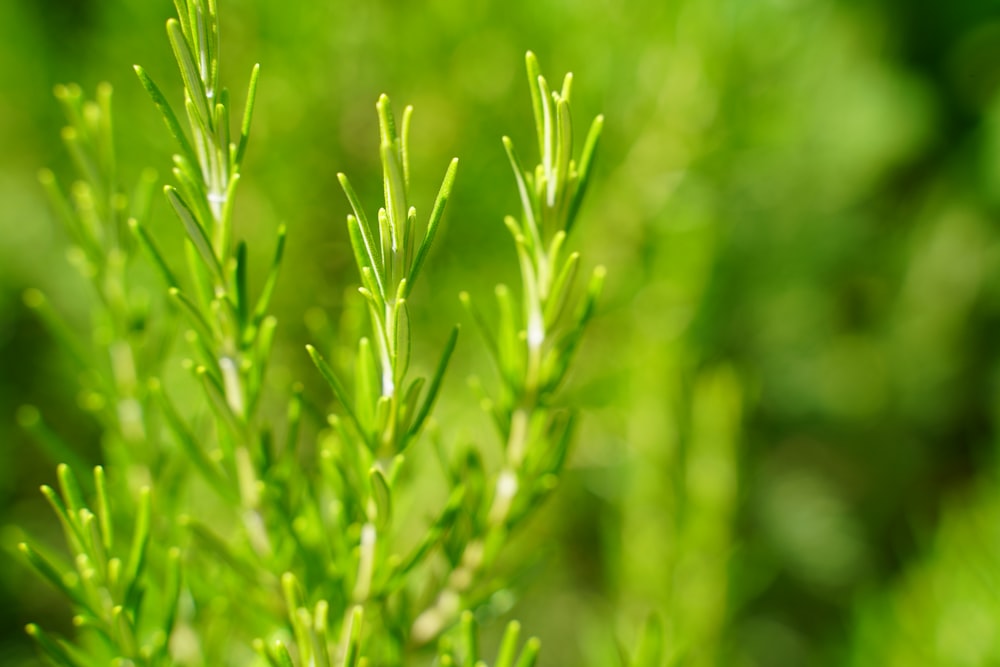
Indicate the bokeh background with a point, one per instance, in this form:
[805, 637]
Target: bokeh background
[791, 388]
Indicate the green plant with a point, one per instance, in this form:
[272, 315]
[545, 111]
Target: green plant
[281, 543]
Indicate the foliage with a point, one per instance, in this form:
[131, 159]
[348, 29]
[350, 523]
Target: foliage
[785, 406]
[265, 521]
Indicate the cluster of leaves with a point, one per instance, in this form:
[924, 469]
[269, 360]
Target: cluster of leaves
[297, 543]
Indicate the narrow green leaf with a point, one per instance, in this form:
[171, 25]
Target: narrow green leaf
[240, 279]
[594, 289]
[265, 652]
[470, 638]
[583, 170]
[70, 488]
[183, 15]
[361, 251]
[294, 600]
[529, 656]
[436, 213]
[222, 138]
[557, 363]
[261, 359]
[103, 509]
[361, 238]
[219, 403]
[247, 117]
[385, 234]
[561, 443]
[564, 153]
[51, 573]
[432, 536]
[534, 72]
[195, 232]
[192, 190]
[549, 139]
[395, 190]
[137, 553]
[74, 539]
[173, 125]
[331, 378]
[382, 495]
[52, 649]
[123, 630]
[198, 322]
[567, 87]
[203, 282]
[561, 289]
[189, 70]
[411, 397]
[510, 346]
[527, 202]
[281, 655]
[359, 213]
[147, 243]
[409, 241]
[352, 638]
[224, 230]
[400, 338]
[172, 592]
[404, 144]
[435, 384]
[508, 645]
[386, 120]
[321, 648]
[264, 302]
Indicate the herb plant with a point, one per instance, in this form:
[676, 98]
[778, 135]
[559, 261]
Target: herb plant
[217, 534]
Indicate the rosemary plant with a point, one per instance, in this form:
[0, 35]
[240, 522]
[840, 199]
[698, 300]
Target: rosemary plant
[250, 547]
[123, 350]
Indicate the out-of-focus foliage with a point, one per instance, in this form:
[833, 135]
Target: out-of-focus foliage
[792, 377]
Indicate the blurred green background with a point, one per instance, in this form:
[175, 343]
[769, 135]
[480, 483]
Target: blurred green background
[791, 388]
